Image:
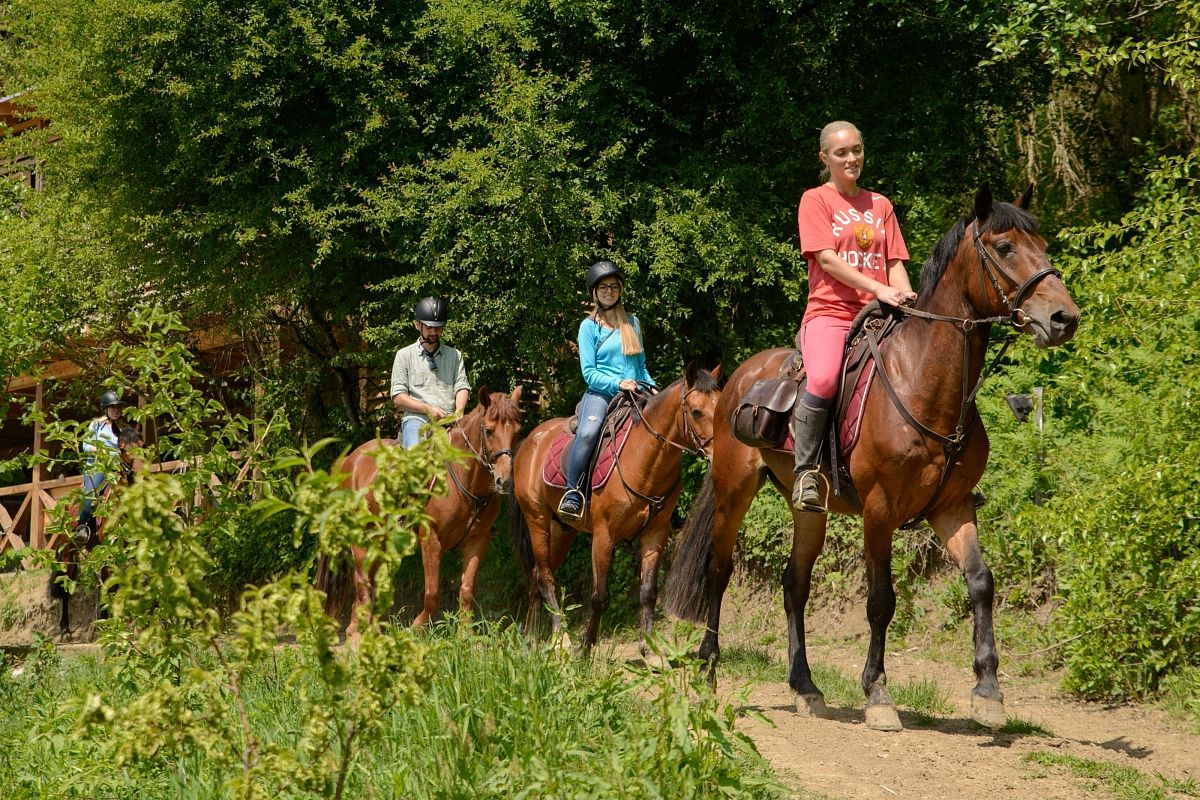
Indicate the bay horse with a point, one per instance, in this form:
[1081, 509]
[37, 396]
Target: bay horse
[990, 268]
[637, 500]
[73, 546]
[463, 518]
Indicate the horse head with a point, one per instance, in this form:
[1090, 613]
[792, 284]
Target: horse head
[129, 439]
[499, 429]
[1016, 277]
[698, 405]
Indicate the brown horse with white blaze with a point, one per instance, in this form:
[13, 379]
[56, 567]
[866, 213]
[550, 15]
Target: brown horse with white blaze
[918, 455]
[463, 518]
[637, 500]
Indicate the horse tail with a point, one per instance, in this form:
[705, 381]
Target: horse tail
[337, 582]
[688, 582]
[518, 528]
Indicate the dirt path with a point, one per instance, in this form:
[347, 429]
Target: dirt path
[953, 758]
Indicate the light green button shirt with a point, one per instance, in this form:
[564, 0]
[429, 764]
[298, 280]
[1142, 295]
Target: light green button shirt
[431, 379]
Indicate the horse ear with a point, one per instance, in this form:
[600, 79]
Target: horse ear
[516, 394]
[983, 203]
[485, 397]
[716, 372]
[1023, 201]
[689, 374]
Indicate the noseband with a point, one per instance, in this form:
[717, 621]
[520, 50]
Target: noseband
[991, 266]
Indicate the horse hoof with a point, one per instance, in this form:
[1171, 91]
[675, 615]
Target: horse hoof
[883, 718]
[811, 705]
[988, 711]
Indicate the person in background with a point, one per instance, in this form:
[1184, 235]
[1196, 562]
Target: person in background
[101, 443]
[429, 379]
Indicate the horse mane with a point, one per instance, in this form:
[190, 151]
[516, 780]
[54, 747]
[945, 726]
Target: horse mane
[1004, 217]
[703, 382]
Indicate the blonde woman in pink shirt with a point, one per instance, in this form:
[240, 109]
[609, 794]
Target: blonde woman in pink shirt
[855, 253]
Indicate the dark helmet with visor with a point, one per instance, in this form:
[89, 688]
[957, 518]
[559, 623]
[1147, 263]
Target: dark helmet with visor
[110, 398]
[431, 311]
[601, 270]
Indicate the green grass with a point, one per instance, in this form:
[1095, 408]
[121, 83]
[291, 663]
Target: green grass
[1121, 783]
[1020, 727]
[500, 718]
[839, 689]
[752, 663]
[1180, 696]
[924, 697]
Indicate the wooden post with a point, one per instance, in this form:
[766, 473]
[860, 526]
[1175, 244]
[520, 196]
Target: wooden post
[37, 526]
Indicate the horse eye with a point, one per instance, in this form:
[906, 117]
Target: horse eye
[697, 413]
[488, 431]
[1004, 248]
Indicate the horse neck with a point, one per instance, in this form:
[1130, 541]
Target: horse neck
[661, 414]
[925, 359]
[467, 428]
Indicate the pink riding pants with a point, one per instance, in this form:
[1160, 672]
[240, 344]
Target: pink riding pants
[822, 340]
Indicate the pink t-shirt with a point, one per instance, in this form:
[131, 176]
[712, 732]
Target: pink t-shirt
[862, 230]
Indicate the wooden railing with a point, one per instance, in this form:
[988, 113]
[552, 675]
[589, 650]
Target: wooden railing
[28, 526]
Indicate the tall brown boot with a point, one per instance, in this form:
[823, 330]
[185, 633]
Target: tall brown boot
[808, 430]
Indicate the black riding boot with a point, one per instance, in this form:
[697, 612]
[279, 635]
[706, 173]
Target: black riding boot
[808, 430]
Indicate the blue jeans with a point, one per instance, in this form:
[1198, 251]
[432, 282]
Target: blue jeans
[592, 410]
[410, 432]
[93, 485]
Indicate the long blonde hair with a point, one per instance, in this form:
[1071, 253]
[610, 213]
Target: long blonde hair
[829, 130]
[615, 316]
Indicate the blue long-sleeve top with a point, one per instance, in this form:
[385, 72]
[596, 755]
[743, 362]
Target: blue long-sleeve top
[603, 361]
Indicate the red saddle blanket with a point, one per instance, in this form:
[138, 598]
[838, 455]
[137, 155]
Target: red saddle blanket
[851, 422]
[554, 471]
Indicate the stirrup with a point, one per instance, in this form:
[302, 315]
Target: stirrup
[569, 514]
[820, 507]
[82, 534]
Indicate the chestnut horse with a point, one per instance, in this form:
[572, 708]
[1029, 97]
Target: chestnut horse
[72, 547]
[990, 268]
[637, 500]
[463, 518]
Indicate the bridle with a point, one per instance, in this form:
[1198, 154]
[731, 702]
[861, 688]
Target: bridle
[656, 503]
[698, 444]
[488, 458]
[954, 444]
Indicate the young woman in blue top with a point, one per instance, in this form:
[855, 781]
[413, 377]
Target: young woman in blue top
[613, 360]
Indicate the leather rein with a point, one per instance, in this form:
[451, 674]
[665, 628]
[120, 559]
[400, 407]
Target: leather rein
[658, 502]
[953, 444]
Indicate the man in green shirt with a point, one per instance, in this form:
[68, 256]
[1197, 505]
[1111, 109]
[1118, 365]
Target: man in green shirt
[429, 379]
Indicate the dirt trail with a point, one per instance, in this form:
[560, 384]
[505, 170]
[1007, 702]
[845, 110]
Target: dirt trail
[953, 758]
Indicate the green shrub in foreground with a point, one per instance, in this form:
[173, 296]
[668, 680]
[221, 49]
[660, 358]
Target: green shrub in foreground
[499, 719]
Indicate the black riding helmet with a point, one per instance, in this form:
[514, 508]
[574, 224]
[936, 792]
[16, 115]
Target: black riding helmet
[110, 398]
[601, 270]
[431, 311]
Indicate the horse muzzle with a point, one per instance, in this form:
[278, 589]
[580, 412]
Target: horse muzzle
[1053, 325]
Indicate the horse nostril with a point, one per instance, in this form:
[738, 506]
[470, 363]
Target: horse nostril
[1065, 319]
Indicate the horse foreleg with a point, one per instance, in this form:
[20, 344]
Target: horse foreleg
[473, 551]
[733, 497]
[602, 555]
[881, 606]
[808, 538]
[431, 561]
[653, 542]
[957, 530]
[364, 589]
